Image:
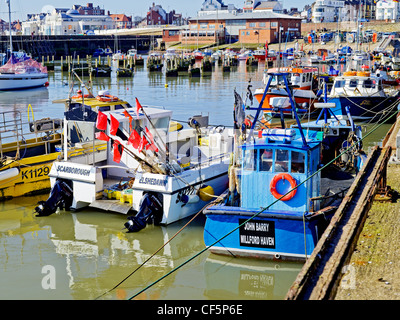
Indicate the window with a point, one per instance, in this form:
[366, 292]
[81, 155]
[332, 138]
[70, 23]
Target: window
[252, 25]
[250, 157]
[261, 24]
[298, 162]
[274, 24]
[368, 84]
[340, 83]
[353, 83]
[265, 160]
[281, 160]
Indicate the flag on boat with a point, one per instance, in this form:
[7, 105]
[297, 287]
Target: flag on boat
[151, 145]
[126, 113]
[114, 125]
[238, 112]
[118, 149]
[102, 136]
[143, 143]
[101, 121]
[138, 107]
[134, 139]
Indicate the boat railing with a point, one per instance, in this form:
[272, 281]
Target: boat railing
[15, 134]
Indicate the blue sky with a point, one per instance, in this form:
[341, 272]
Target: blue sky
[20, 8]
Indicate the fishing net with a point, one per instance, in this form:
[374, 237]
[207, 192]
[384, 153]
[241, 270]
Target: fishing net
[22, 64]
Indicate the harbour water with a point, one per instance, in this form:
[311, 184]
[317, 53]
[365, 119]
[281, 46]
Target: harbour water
[85, 254]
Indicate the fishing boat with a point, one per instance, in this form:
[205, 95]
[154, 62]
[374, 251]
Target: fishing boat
[300, 78]
[146, 169]
[260, 54]
[364, 94]
[323, 56]
[27, 150]
[277, 205]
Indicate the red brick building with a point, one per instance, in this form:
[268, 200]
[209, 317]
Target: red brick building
[249, 27]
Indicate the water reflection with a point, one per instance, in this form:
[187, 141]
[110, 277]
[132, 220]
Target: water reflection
[248, 278]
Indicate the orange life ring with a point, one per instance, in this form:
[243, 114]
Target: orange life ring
[287, 177]
[79, 96]
[107, 98]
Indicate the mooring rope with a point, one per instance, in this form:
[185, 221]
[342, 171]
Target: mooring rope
[258, 213]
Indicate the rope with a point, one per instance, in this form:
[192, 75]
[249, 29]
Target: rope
[159, 249]
[258, 213]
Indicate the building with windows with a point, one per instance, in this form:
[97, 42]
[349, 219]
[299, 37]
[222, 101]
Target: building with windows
[246, 27]
[215, 6]
[158, 16]
[121, 21]
[327, 10]
[387, 10]
[61, 22]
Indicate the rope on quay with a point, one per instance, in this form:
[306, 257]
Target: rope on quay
[249, 219]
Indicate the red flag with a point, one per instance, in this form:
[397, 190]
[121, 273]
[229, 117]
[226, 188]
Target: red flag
[134, 139]
[142, 144]
[101, 121]
[126, 113]
[138, 107]
[118, 149]
[102, 136]
[152, 145]
[114, 125]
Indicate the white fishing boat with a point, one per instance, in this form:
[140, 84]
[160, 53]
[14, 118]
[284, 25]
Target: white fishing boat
[173, 177]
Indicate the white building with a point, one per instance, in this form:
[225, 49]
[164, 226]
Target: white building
[215, 6]
[65, 23]
[387, 10]
[326, 11]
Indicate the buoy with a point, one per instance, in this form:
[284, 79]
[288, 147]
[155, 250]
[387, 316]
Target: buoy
[166, 85]
[206, 193]
[46, 84]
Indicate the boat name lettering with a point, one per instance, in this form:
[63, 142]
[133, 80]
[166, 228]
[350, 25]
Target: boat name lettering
[257, 233]
[153, 181]
[72, 170]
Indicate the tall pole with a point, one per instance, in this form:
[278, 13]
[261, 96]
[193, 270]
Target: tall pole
[9, 25]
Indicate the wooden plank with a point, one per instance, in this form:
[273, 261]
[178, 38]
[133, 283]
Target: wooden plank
[320, 275]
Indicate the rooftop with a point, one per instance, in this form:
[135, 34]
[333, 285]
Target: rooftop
[244, 16]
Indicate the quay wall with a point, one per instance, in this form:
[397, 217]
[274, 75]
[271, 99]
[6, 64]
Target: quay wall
[81, 45]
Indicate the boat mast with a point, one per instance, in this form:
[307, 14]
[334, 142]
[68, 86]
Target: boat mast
[9, 25]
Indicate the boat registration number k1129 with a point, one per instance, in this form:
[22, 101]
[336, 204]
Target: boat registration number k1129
[257, 233]
[35, 173]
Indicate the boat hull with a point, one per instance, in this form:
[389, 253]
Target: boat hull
[21, 81]
[363, 108]
[285, 236]
[29, 178]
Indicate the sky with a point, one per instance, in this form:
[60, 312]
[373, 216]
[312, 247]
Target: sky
[20, 8]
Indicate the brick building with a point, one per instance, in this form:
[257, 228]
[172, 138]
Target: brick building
[248, 27]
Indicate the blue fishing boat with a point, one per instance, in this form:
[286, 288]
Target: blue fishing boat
[364, 94]
[276, 206]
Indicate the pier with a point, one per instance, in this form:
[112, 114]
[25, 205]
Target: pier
[334, 268]
[81, 45]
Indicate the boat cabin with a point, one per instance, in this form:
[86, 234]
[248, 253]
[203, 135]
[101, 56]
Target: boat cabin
[275, 164]
[360, 84]
[300, 78]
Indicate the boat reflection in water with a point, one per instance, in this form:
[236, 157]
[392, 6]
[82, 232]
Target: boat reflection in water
[250, 279]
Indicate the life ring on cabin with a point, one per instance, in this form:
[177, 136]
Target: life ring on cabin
[283, 176]
[107, 98]
[79, 96]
